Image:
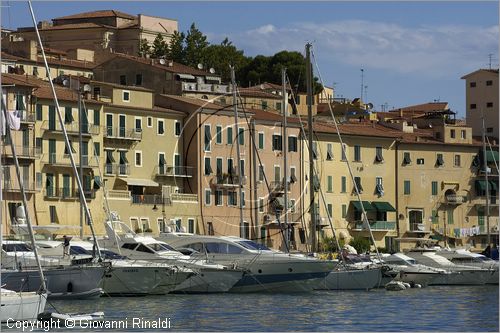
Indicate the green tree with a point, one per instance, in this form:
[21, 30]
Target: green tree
[196, 43]
[160, 47]
[361, 244]
[221, 56]
[176, 48]
[144, 48]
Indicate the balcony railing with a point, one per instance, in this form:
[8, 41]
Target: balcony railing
[204, 87]
[279, 186]
[116, 169]
[377, 225]
[71, 128]
[122, 133]
[183, 197]
[13, 186]
[418, 228]
[226, 180]
[64, 160]
[23, 152]
[67, 193]
[455, 199]
[26, 116]
[173, 171]
[149, 199]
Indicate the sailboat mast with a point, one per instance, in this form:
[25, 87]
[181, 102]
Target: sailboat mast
[312, 206]
[240, 174]
[485, 166]
[285, 151]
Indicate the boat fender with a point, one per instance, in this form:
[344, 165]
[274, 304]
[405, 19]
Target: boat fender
[407, 285]
[417, 285]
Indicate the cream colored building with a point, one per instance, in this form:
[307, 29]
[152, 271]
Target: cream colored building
[481, 98]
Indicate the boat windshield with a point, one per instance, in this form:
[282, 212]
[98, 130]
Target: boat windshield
[74, 250]
[160, 247]
[106, 254]
[19, 247]
[253, 246]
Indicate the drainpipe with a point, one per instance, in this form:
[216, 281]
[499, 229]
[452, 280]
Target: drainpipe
[253, 181]
[397, 190]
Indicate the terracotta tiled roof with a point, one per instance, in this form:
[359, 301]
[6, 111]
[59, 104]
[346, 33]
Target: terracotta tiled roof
[494, 71]
[175, 68]
[269, 86]
[49, 50]
[63, 62]
[19, 80]
[86, 25]
[358, 129]
[97, 13]
[199, 103]
[102, 83]
[424, 108]
[251, 92]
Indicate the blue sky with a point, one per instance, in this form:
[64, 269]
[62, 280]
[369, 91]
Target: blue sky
[411, 52]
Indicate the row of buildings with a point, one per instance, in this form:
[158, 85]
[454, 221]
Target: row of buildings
[159, 142]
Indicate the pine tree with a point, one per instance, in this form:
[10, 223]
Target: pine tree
[176, 51]
[196, 43]
[160, 47]
[144, 48]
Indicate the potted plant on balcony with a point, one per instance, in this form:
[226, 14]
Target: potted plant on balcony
[138, 231]
[148, 230]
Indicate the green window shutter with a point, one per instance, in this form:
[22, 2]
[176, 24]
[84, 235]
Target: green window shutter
[241, 136]
[407, 187]
[344, 211]
[434, 188]
[39, 114]
[330, 184]
[450, 216]
[229, 135]
[66, 192]
[97, 148]
[434, 217]
[218, 134]
[344, 184]
[97, 117]
[261, 140]
[480, 216]
[68, 115]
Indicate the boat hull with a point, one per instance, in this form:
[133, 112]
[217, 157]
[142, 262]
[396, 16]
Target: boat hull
[67, 282]
[421, 278]
[356, 279]
[472, 277]
[21, 306]
[209, 280]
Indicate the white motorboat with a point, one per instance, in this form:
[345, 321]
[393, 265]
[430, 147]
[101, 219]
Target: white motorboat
[411, 272]
[465, 257]
[21, 305]
[209, 277]
[460, 274]
[352, 278]
[266, 270]
[134, 277]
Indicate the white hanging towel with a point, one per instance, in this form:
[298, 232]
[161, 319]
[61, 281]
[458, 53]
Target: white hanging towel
[14, 120]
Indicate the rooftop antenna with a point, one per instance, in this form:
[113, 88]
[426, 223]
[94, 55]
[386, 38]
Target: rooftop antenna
[366, 93]
[490, 57]
[362, 83]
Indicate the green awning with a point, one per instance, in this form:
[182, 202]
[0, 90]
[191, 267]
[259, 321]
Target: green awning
[491, 156]
[383, 206]
[366, 204]
[481, 185]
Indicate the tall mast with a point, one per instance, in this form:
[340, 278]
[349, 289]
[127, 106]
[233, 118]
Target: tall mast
[485, 169]
[285, 151]
[312, 206]
[240, 173]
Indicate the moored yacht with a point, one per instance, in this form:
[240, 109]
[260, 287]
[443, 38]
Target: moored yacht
[209, 277]
[21, 305]
[266, 269]
[465, 257]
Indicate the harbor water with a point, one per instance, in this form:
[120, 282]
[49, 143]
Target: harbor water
[435, 308]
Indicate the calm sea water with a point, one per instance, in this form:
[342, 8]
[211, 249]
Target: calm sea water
[435, 308]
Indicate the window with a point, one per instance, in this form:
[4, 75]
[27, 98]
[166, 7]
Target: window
[241, 136]
[330, 209]
[463, 135]
[473, 106]
[138, 125]
[230, 167]
[218, 134]
[277, 173]
[261, 205]
[457, 160]
[329, 184]
[406, 158]
[489, 104]
[489, 82]
[261, 173]
[191, 226]
[406, 187]
[39, 114]
[208, 166]
[126, 96]
[293, 177]
[434, 186]
[315, 150]
[97, 117]
[329, 152]
[231, 198]
[343, 151]
[292, 205]
[277, 142]
[208, 197]
[420, 161]
[177, 128]
[343, 184]
[344, 211]
[261, 140]
[379, 186]
[39, 144]
[357, 153]
[452, 133]
[138, 79]
[242, 168]
[434, 217]
[229, 135]
[218, 198]
[53, 214]
[208, 138]
[123, 80]
[161, 127]
[68, 115]
[264, 105]
[278, 106]
[489, 129]
[472, 84]
[480, 215]
[379, 158]
[150, 121]
[357, 181]
[97, 149]
[242, 199]
[439, 160]
[450, 216]
[218, 166]
[210, 227]
[138, 158]
[292, 144]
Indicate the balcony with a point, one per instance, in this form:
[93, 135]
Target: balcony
[228, 181]
[64, 160]
[204, 87]
[122, 133]
[66, 193]
[71, 128]
[184, 197]
[27, 117]
[23, 152]
[173, 171]
[454, 199]
[116, 169]
[376, 226]
[149, 199]
[12, 186]
[418, 228]
[278, 187]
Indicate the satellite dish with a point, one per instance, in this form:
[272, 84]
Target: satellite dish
[262, 87]
[369, 106]
[200, 66]
[87, 88]
[211, 70]
[65, 82]
[162, 61]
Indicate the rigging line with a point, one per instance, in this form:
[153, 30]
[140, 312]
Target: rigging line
[260, 164]
[66, 139]
[316, 173]
[365, 218]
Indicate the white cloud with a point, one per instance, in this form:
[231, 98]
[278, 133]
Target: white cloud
[431, 50]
